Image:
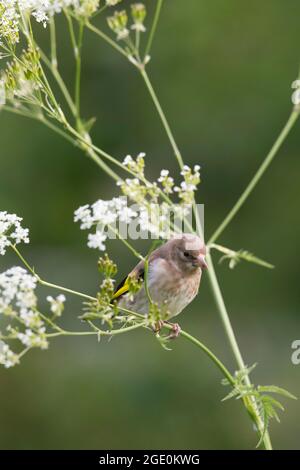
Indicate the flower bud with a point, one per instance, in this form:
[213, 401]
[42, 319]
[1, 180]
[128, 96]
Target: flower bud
[138, 13]
[117, 24]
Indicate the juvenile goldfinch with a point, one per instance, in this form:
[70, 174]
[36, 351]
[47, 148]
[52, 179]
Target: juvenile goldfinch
[174, 274]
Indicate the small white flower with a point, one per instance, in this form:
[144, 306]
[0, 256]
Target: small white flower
[34, 339]
[56, 304]
[96, 240]
[11, 231]
[127, 160]
[84, 215]
[7, 357]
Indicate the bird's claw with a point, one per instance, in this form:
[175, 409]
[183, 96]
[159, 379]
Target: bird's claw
[158, 326]
[175, 332]
[176, 329]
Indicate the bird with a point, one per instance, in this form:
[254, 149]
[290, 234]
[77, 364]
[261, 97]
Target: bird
[173, 279]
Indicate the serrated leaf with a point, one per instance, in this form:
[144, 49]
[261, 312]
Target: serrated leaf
[272, 402]
[235, 257]
[275, 389]
[163, 341]
[234, 392]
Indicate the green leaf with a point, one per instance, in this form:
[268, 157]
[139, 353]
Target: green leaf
[275, 389]
[235, 257]
[234, 392]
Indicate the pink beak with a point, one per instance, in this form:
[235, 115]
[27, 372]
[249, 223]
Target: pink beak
[202, 262]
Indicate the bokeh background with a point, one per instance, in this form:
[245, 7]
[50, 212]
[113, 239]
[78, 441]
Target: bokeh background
[223, 71]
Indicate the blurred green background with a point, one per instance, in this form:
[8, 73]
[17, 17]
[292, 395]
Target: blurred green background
[223, 71]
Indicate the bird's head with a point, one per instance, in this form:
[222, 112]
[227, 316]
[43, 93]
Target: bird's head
[188, 252]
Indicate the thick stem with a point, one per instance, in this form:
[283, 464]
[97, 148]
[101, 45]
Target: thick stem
[234, 345]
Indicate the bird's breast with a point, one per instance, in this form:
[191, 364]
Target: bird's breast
[170, 287]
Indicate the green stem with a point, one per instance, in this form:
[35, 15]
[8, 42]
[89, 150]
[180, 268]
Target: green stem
[125, 242]
[77, 53]
[53, 43]
[91, 153]
[209, 353]
[162, 116]
[60, 82]
[153, 27]
[233, 344]
[146, 281]
[98, 332]
[48, 284]
[137, 42]
[106, 38]
[261, 170]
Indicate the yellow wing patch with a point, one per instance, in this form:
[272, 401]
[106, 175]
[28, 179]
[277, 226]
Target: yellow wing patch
[122, 290]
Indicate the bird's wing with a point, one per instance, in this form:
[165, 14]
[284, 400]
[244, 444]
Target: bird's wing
[138, 273]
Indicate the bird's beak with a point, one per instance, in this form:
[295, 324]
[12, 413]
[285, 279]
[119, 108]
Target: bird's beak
[201, 262]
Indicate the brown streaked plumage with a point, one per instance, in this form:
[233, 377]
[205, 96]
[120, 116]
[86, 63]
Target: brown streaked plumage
[174, 276]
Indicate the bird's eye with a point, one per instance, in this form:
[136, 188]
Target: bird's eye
[186, 254]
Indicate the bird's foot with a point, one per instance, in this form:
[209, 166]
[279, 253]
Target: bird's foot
[175, 332]
[158, 326]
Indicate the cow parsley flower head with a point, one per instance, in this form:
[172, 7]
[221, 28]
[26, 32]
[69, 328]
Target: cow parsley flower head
[9, 21]
[11, 12]
[103, 214]
[18, 302]
[17, 296]
[136, 166]
[34, 339]
[187, 188]
[7, 357]
[166, 181]
[11, 231]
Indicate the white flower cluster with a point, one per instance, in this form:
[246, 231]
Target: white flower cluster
[17, 296]
[57, 304]
[11, 231]
[187, 188]
[18, 301]
[103, 214]
[9, 21]
[152, 212]
[34, 339]
[42, 11]
[7, 357]
[119, 21]
[139, 188]
[166, 181]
